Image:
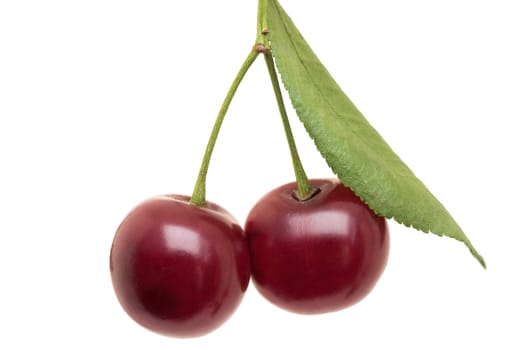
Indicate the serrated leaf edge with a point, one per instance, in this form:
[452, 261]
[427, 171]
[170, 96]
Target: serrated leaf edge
[297, 107]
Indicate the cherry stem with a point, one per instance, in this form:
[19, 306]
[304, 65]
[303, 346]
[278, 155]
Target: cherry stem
[305, 190]
[262, 24]
[198, 197]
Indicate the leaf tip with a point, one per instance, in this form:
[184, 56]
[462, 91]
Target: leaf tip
[478, 257]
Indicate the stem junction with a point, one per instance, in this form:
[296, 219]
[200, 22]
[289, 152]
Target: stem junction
[304, 190]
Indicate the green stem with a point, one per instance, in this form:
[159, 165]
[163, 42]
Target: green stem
[199, 192]
[262, 24]
[305, 190]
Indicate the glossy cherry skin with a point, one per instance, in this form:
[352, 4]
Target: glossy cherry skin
[316, 256]
[178, 269]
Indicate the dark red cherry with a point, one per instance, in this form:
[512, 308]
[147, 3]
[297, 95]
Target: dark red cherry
[178, 269]
[319, 255]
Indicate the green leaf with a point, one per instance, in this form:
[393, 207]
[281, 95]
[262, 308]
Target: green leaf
[354, 150]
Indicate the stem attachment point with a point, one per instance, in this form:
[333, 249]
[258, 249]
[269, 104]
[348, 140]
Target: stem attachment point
[261, 48]
[307, 196]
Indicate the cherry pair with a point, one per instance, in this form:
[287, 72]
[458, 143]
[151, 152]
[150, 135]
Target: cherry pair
[181, 269]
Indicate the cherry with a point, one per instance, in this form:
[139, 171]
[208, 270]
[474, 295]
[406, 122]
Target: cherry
[318, 255]
[179, 269]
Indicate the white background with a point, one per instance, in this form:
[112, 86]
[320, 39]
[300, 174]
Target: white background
[105, 103]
